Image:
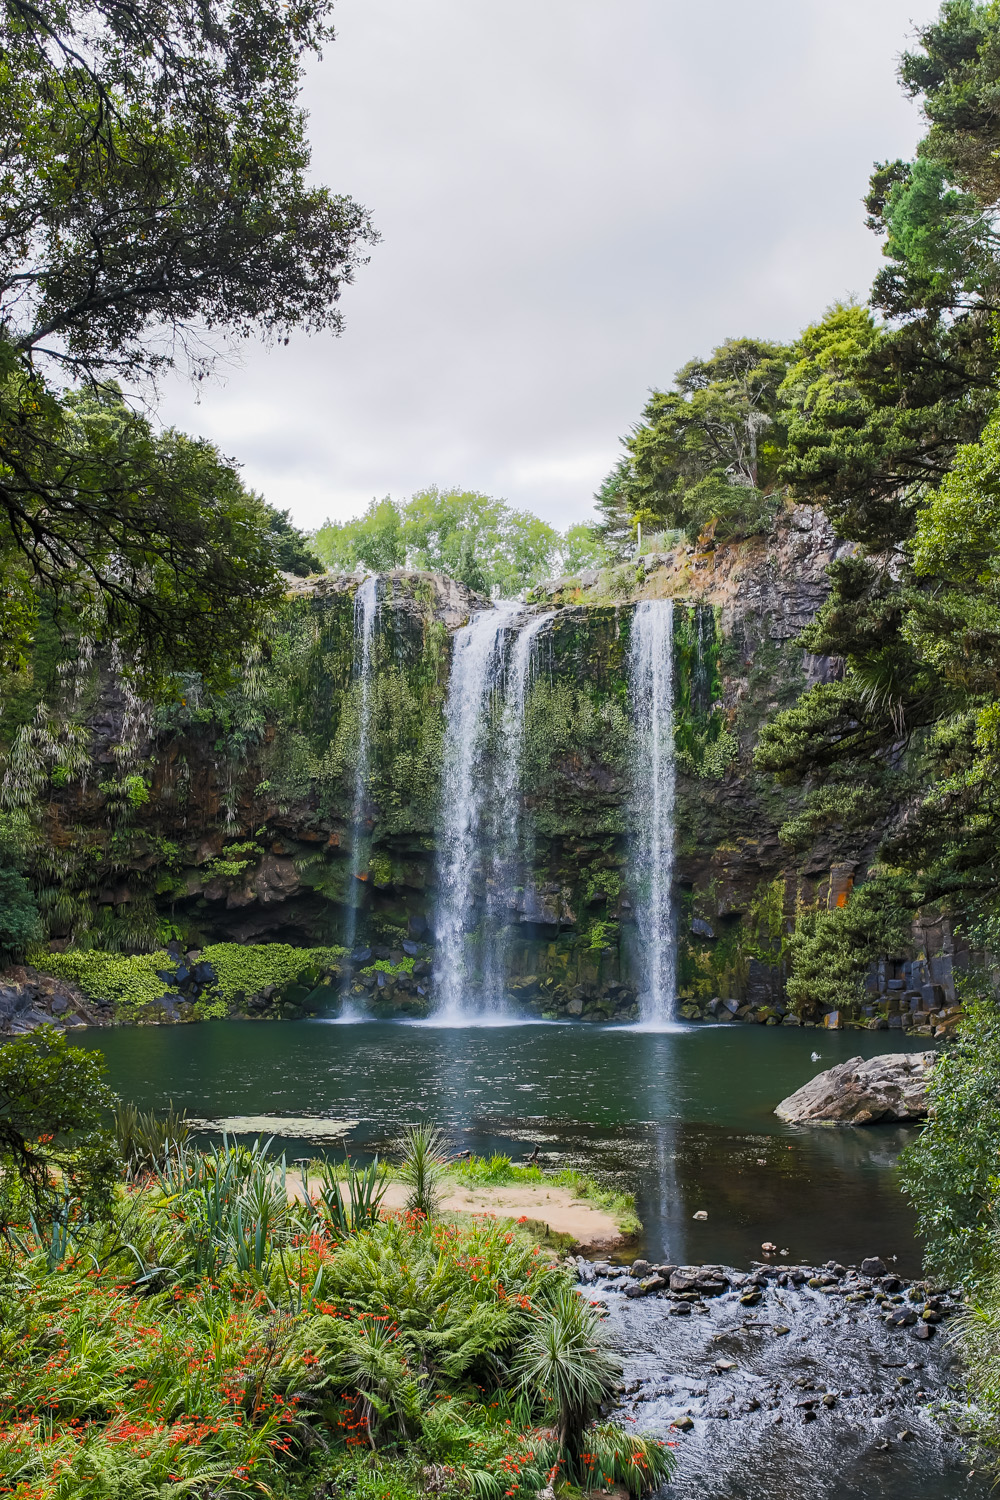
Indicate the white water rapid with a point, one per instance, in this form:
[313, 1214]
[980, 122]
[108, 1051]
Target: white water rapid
[366, 608]
[651, 840]
[480, 843]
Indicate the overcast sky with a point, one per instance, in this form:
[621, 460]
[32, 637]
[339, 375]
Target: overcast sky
[575, 197]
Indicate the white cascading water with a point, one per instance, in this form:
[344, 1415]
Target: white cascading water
[365, 619]
[651, 838]
[476, 677]
[508, 853]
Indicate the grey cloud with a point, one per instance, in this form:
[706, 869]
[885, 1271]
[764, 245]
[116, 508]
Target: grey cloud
[575, 196]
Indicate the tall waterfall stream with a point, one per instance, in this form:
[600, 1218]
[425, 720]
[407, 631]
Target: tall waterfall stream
[481, 841]
[365, 619]
[651, 833]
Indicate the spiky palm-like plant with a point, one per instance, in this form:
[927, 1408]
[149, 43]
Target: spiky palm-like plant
[424, 1150]
[567, 1359]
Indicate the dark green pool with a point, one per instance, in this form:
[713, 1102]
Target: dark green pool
[684, 1118]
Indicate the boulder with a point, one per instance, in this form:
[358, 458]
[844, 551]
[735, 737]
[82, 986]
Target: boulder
[862, 1091]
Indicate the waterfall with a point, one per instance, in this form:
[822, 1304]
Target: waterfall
[480, 838]
[508, 855]
[651, 684]
[365, 618]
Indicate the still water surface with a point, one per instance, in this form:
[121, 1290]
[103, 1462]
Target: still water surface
[684, 1119]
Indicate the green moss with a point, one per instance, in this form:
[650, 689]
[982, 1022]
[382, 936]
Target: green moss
[383, 966]
[129, 981]
[247, 968]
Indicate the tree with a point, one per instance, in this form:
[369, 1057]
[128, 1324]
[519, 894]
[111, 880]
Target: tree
[374, 539]
[892, 430]
[481, 541]
[292, 551]
[155, 201]
[567, 1358]
[53, 1141]
[583, 546]
[706, 451]
[147, 539]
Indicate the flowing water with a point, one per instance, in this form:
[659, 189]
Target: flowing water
[511, 844]
[481, 844]
[365, 620]
[651, 825]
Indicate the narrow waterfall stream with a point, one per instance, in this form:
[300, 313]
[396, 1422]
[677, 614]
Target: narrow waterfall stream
[651, 836]
[477, 672]
[365, 618]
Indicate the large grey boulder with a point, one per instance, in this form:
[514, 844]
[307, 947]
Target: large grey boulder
[863, 1092]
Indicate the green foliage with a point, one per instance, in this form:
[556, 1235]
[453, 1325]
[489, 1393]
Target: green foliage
[831, 951]
[494, 1171]
[386, 966]
[219, 1331]
[349, 1199]
[53, 1144]
[20, 924]
[424, 1155]
[374, 539]
[567, 1355]
[156, 187]
[144, 1138]
[131, 981]
[144, 539]
[571, 729]
[583, 547]
[706, 451]
[291, 548]
[247, 968]
[951, 1173]
[480, 541]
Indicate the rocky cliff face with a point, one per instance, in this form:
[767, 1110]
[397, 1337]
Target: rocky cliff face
[229, 818]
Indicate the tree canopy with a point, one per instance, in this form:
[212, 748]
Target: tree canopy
[706, 451]
[483, 542]
[894, 431]
[156, 203]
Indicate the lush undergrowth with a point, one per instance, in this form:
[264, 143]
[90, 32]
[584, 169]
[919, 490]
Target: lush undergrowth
[212, 1336]
[132, 981]
[500, 1171]
[951, 1173]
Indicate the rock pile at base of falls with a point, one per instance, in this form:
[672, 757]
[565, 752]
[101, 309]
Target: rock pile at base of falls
[863, 1091]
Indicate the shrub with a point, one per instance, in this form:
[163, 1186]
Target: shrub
[52, 1141]
[951, 1172]
[424, 1150]
[219, 1337]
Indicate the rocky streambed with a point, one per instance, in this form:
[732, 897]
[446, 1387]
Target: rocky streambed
[813, 1382]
